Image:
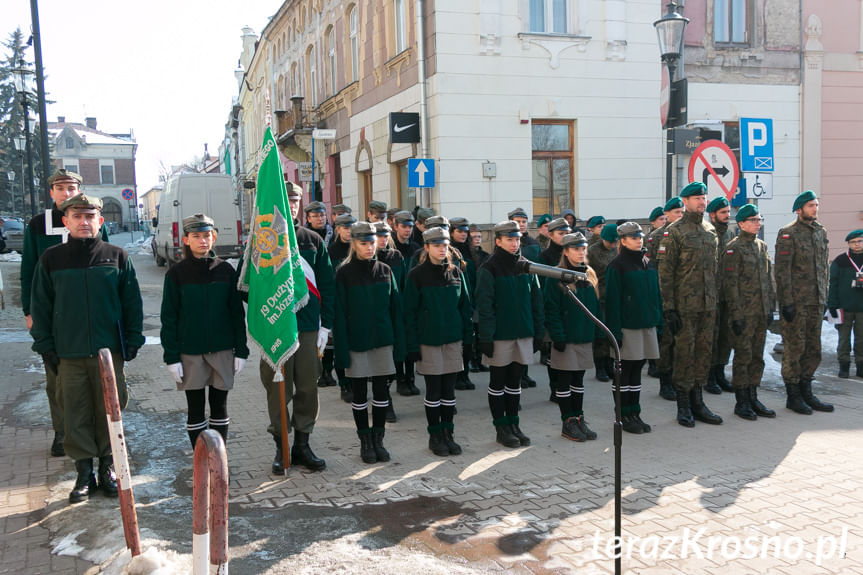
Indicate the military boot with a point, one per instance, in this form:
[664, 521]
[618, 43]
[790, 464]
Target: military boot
[367, 448]
[759, 408]
[302, 454]
[684, 411]
[795, 400]
[601, 373]
[278, 464]
[743, 406]
[454, 448]
[378, 444]
[107, 476]
[666, 388]
[437, 444]
[85, 483]
[844, 367]
[403, 386]
[712, 386]
[812, 400]
[699, 410]
[721, 380]
[505, 436]
[57, 449]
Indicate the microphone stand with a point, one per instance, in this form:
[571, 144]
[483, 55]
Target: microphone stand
[618, 424]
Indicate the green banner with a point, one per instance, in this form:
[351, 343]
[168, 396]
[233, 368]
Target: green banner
[272, 272]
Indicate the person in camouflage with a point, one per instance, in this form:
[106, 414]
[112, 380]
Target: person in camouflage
[594, 228]
[748, 286]
[687, 280]
[801, 290]
[673, 211]
[719, 211]
[599, 255]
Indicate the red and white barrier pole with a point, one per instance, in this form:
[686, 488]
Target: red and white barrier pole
[210, 505]
[118, 450]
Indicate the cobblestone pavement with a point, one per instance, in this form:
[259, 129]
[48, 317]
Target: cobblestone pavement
[772, 496]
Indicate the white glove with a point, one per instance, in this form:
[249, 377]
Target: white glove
[239, 364]
[176, 370]
[323, 336]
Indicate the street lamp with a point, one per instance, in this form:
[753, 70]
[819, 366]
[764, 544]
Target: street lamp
[23, 84]
[20, 145]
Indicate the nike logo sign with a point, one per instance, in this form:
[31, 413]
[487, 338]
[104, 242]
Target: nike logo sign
[397, 128]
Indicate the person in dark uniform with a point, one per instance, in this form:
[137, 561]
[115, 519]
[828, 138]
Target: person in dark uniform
[594, 229]
[846, 294]
[460, 242]
[719, 211]
[633, 313]
[377, 211]
[438, 322]
[316, 220]
[552, 256]
[511, 326]
[368, 335]
[402, 237]
[542, 228]
[657, 218]
[422, 214]
[85, 297]
[599, 255]
[203, 328]
[572, 334]
[338, 210]
[529, 249]
[42, 232]
[338, 251]
[480, 256]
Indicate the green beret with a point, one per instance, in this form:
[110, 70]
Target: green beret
[63, 175]
[673, 204]
[746, 211]
[609, 233]
[656, 212]
[717, 204]
[82, 202]
[854, 234]
[801, 200]
[693, 189]
[595, 221]
[543, 219]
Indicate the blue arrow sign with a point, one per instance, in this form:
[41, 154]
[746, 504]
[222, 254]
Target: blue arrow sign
[421, 173]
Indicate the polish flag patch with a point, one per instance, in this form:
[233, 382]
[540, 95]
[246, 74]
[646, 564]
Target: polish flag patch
[786, 236]
[729, 251]
[662, 249]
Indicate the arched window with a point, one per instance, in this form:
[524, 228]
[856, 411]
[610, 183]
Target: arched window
[355, 46]
[401, 35]
[313, 76]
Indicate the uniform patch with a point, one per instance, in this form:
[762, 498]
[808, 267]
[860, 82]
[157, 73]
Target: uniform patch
[786, 236]
[729, 269]
[784, 253]
[729, 251]
[665, 233]
[662, 249]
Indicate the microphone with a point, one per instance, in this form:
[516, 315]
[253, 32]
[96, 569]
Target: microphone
[526, 266]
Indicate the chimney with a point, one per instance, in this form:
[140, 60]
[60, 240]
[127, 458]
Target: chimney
[61, 119]
[91, 123]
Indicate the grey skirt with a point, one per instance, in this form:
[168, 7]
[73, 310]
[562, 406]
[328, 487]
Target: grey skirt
[576, 357]
[639, 344]
[510, 350]
[371, 363]
[215, 369]
[440, 359]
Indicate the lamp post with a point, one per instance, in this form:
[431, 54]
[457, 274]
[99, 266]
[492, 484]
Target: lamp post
[669, 32]
[22, 76]
[20, 145]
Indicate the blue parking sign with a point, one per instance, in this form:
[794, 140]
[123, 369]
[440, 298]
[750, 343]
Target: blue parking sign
[756, 145]
[421, 173]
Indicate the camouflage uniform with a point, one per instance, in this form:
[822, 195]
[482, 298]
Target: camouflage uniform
[666, 340]
[722, 327]
[687, 279]
[748, 291]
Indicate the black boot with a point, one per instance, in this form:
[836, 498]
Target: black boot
[505, 436]
[346, 393]
[403, 386]
[57, 449]
[700, 411]
[523, 439]
[527, 381]
[326, 380]
[759, 408]
[378, 444]
[107, 476]
[391, 416]
[795, 400]
[844, 368]
[85, 484]
[721, 380]
[645, 427]
[437, 444]
[812, 400]
[666, 388]
[468, 384]
[712, 386]
[601, 373]
[652, 370]
[278, 464]
[743, 406]
[631, 426]
[684, 411]
[454, 448]
[302, 454]
[367, 448]
[475, 366]
[412, 385]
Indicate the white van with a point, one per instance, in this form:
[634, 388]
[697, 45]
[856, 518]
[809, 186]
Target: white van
[188, 194]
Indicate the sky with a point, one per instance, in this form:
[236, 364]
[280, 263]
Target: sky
[164, 69]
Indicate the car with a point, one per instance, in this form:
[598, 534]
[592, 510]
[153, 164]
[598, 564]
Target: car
[13, 231]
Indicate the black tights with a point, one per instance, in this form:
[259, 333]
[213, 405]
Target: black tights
[440, 399]
[197, 419]
[380, 400]
[504, 392]
[630, 386]
[569, 391]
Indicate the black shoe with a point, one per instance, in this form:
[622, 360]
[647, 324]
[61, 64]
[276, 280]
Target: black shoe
[601, 374]
[412, 386]
[844, 369]
[684, 410]
[743, 406]
[505, 436]
[652, 370]
[700, 411]
[759, 408]
[631, 426]
[468, 384]
[582, 425]
[437, 444]
[527, 381]
[571, 431]
[666, 388]
[302, 454]
[85, 483]
[812, 400]
[454, 448]
[403, 387]
[107, 476]
[367, 448]
[475, 366]
[644, 426]
[326, 380]
[523, 439]
[378, 444]
[57, 449]
[278, 464]
[347, 394]
[712, 386]
[795, 400]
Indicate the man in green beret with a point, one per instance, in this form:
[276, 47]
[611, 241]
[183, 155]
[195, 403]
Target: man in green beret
[657, 218]
[845, 301]
[599, 255]
[44, 231]
[687, 278]
[719, 212]
[85, 297]
[542, 227]
[594, 229]
[748, 285]
[801, 291]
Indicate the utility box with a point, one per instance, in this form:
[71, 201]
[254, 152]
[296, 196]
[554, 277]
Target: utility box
[489, 170]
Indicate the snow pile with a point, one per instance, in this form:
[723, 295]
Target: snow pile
[10, 257]
[154, 560]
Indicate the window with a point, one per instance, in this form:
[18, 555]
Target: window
[332, 57]
[70, 143]
[355, 47]
[401, 26]
[71, 168]
[294, 90]
[548, 16]
[107, 174]
[553, 165]
[313, 76]
[730, 21]
[407, 196]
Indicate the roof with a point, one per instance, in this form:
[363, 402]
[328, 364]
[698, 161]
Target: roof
[90, 136]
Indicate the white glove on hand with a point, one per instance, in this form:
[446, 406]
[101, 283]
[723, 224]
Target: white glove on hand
[323, 336]
[176, 370]
[239, 364]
